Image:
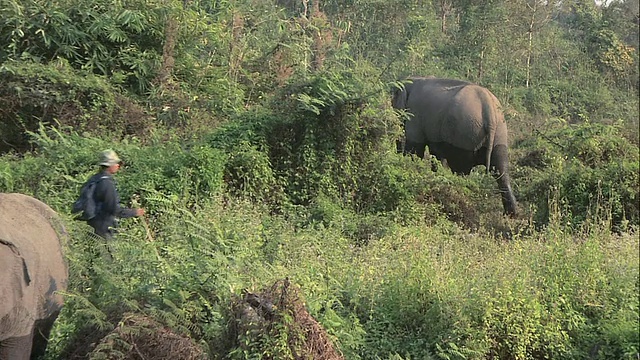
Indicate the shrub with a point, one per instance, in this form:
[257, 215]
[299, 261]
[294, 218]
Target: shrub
[591, 170]
[438, 293]
[56, 94]
[248, 173]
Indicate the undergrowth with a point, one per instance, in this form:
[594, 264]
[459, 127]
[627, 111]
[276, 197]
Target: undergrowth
[394, 260]
[437, 292]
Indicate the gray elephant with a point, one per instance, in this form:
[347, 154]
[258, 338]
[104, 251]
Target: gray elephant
[32, 269]
[461, 123]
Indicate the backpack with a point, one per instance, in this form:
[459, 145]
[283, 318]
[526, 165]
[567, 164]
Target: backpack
[85, 207]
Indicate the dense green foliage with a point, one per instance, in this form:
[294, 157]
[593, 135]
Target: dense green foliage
[259, 137]
[591, 168]
[413, 291]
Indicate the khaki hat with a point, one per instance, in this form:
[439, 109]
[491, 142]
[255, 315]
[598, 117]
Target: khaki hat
[109, 158]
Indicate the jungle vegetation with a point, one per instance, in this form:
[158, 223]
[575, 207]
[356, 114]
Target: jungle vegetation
[259, 136]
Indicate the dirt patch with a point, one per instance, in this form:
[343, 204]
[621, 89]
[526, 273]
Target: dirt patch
[276, 323]
[138, 337]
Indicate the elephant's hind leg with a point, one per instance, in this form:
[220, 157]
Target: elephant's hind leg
[500, 165]
[460, 161]
[18, 348]
[41, 335]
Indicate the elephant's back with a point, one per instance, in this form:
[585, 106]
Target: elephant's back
[438, 82]
[484, 110]
[22, 215]
[36, 232]
[432, 101]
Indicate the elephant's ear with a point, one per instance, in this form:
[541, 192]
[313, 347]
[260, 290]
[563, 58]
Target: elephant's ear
[25, 269]
[400, 96]
[25, 272]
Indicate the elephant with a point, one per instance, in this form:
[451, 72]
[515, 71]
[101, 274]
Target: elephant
[32, 271]
[461, 123]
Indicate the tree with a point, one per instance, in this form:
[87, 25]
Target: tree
[610, 54]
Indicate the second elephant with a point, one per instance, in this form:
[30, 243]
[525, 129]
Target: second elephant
[461, 123]
[32, 270]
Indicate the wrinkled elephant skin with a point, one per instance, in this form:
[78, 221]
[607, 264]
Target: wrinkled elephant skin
[32, 269]
[461, 123]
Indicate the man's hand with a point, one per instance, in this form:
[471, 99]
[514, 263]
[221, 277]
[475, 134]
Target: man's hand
[139, 212]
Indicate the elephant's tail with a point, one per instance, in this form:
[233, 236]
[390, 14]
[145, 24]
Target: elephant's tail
[491, 119]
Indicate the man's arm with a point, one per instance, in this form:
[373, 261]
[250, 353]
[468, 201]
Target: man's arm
[124, 212]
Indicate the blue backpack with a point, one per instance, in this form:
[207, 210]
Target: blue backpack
[85, 207]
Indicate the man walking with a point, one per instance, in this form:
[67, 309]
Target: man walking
[106, 199]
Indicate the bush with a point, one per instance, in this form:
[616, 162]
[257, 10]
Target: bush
[430, 295]
[317, 139]
[55, 94]
[591, 170]
[248, 173]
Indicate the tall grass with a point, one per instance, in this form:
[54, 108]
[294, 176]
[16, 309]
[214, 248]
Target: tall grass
[417, 293]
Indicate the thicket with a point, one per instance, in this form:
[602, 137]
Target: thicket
[260, 139]
[395, 279]
[592, 169]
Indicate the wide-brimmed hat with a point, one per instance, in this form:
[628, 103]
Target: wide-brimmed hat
[109, 158]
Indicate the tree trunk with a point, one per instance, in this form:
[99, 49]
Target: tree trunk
[530, 47]
[165, 75]
[321, 35]
[445, 8]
